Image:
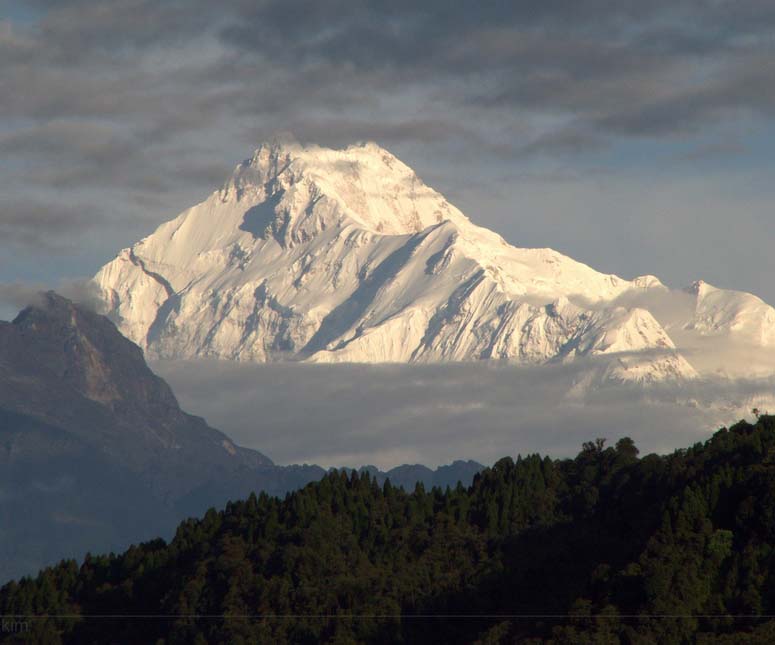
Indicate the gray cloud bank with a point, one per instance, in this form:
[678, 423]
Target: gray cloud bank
[349, 415]
[112, 81]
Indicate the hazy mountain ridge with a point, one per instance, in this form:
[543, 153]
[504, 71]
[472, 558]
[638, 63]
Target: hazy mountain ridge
[95, 452]
[346, 256]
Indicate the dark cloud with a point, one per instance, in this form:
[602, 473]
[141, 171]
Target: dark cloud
[563, 141]
[139, 107]
[42, 225]
[620, 67]
[617, 67]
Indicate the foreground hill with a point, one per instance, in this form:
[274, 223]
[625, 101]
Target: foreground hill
[346, 255]
[602, 548]
[68, 366]
[95, 452]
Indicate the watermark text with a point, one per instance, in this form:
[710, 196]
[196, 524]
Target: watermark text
[10, 625]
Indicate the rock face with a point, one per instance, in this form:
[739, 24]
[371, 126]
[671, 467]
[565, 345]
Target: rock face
[346, 256]
[70, 368]
[95, 452]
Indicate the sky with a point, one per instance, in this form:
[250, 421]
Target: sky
[633, 136]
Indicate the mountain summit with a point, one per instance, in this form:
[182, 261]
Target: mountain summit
[70, 368]
[321, 255]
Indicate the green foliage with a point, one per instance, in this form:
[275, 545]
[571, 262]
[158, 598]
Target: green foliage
[606, 547]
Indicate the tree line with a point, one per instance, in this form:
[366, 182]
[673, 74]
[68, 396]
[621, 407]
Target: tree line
[605, 547]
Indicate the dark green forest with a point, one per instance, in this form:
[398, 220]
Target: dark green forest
[605, 547]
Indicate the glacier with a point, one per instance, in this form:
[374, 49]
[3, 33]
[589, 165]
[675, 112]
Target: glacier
[346, 256]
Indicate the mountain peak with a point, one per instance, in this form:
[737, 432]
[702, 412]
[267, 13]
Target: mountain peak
[311, 187]
[330, 255]
[343, 255]
[285, 144]
[699, 288]
[85, 351]
[648, 282]
[63, 356]
[49, 302]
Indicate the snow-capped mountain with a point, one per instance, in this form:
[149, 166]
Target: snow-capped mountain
[346, 255]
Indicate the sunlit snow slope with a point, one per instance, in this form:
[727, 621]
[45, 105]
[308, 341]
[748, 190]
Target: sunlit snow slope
[347, 256]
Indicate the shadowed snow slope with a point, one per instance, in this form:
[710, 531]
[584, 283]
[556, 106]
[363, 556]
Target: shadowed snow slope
[346, 256]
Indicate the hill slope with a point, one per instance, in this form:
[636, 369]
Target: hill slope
[95, 452]
[71, 368]
[605, 547]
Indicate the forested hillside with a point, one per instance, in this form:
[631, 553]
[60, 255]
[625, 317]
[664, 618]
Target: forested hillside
[603, 547]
